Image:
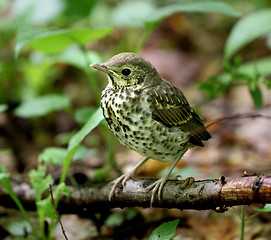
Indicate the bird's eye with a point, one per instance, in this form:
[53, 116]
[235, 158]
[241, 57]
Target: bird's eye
[126, 71]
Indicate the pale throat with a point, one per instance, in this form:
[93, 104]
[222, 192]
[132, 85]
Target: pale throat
[122, 83]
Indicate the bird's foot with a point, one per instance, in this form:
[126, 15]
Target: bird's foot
[120, 180]
[157, 186]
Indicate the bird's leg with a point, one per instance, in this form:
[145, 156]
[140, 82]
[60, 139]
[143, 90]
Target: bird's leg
[159, 184]
[123, 178]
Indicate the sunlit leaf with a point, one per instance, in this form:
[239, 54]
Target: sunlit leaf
[54, 41]
[267, 208]
[247, 29]
[40, 106]
[165, 231]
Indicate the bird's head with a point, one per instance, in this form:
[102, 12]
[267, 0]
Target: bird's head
[129, 69]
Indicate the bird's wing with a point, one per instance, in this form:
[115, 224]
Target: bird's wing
[171, 108]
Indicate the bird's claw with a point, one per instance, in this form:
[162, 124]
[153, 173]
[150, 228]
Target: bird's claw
[120, 180]
[156, 186]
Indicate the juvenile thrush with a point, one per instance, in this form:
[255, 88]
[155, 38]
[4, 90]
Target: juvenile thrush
[148, 114]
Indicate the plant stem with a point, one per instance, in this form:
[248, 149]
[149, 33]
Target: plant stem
[143, 39]
[243, 220]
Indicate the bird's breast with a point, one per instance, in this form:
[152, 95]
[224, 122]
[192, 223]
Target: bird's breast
[125, 111]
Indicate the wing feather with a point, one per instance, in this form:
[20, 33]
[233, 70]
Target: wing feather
[171, 108]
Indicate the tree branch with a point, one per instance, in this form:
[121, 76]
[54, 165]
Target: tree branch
[216, 194]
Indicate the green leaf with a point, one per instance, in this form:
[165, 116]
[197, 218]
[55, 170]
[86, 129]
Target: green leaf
[165, 231]
[38, 75]
[76, 58]
[93, 122]
[3, 107]
[4, 175]
[75, 141]
[54, 41]
[115, 219]
[132, 13]
[39, 181]
[63, 189]
[82, 115]
[138, 13]
[267, 208]
[2, 3]
[82, 152]
[53, 155]
[19, 228]
[4, 180]
[247, 29]
[46, 208]
[40, 106]
[216, 85]
[259, 66]
[256, 95]
[200, 7]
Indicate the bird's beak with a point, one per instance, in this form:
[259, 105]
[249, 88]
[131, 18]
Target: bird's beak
[102, 67]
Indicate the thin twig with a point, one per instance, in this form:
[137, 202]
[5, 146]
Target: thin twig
[58, 218]
[237, 116]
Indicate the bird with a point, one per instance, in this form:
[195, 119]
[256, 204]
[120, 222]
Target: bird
[149, 115]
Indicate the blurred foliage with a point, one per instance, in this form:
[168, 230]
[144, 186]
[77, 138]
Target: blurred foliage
[46, 49]
[165, 231]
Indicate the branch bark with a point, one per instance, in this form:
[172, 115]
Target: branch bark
[216, 194]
